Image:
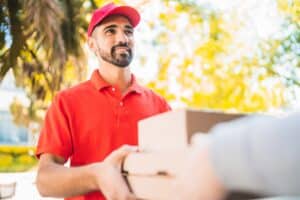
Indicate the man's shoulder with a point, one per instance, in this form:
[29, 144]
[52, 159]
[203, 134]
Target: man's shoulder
[147, 91]
[76, 90]
[157, 100]
[151, 94]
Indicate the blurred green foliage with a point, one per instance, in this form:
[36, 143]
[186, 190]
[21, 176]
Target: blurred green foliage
[212, 68]
[17, 158]
[197, 50]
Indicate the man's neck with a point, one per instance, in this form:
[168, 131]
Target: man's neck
[117, 76]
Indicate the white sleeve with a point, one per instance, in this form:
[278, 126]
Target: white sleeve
[258, 154]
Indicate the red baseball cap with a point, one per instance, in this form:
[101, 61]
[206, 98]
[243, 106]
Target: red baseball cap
[111, 9]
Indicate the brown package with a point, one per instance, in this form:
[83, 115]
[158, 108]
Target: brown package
[165, 138]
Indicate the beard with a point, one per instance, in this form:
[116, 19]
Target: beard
[119, 59]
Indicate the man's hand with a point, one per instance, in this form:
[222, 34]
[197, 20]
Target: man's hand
[198, 180]
[109, 178]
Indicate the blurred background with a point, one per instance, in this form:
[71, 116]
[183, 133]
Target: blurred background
[234, 56]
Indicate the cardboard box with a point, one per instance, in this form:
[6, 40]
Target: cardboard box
[163, 163]
[156, 188]
[174, 129]
[151, 175]
[164, 138]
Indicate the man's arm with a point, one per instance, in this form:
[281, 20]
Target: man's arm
[198, 179]
[257, 155]
[56, 180]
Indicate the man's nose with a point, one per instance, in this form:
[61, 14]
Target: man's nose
[122, 38]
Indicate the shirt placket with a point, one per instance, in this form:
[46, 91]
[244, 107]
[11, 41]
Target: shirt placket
[117, 105]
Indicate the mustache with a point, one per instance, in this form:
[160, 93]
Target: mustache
[120, 45]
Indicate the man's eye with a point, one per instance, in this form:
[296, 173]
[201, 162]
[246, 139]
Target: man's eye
[129, 32]
[110, 31]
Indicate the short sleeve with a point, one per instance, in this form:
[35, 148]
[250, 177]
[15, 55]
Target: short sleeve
[164, 106]
[55, 136]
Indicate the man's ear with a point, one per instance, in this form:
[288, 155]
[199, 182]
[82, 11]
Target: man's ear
[92, 44]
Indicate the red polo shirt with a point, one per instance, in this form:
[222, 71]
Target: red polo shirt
[87, 122]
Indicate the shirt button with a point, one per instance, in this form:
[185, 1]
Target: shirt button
[113, 89]
[121, 103]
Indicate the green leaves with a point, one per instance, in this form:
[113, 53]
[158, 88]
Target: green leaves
[16, 158]
[13, 15]
[205, 63]
[46, 45]
[3, 25]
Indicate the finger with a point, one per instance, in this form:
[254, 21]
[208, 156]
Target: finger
[142, 150]
[118, 155]
[129, 148]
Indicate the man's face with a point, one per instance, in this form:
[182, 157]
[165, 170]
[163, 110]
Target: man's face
[113, 40]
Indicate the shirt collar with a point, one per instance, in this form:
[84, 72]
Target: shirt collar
[100, 83]
[134, 87]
